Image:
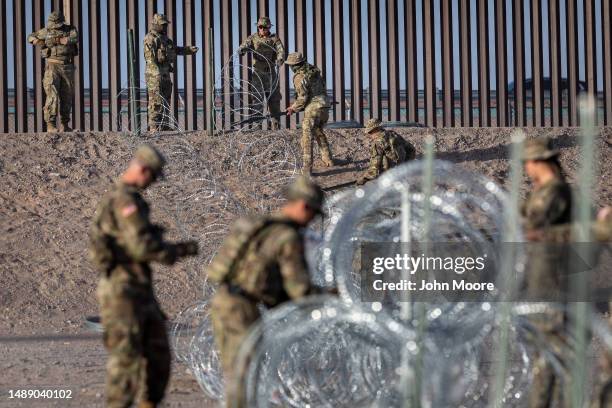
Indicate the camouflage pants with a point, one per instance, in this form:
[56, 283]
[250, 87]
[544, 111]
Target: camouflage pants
[262, 83]
[159, 89]
[312, 128]
[135, 336]
[550, 384]
[58, 83]
[232, 316]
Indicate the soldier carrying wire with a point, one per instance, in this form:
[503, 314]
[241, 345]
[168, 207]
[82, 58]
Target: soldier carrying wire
[268, 53]
[311, 98]
[160, 55]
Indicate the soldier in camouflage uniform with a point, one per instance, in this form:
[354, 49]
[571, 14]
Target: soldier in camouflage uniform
[601, 230]
[160, 55]
[268, 53]
[122, 243]
[388, 149]
[312, 99]
[59, 47]
[548, 204]
[261, 262]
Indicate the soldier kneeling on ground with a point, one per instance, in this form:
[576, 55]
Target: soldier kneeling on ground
[387, 151]
[261, 262]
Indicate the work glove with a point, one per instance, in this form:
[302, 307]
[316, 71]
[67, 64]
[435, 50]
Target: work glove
[193, 49]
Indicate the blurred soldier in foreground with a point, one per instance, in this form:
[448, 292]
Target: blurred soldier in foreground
[122, 243]
[311, 94]
[601, 230]
[261, 262]
[268, 53]
[388, 149]
[549, 203]
[59, 47]
[160, 55]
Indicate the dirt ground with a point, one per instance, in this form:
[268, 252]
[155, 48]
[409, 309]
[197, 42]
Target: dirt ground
[49, 188]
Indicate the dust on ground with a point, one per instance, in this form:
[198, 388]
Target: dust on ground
[50, 185]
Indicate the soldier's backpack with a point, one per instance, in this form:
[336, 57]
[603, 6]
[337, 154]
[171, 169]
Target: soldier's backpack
[223, 265]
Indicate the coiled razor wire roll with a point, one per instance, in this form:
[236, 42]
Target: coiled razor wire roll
[466, 208]
[238, 98]
[184, 328]
[322, 352]
[204, 359]
[559, 351]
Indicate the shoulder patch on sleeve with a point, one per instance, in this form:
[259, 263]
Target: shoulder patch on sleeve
[128, 210]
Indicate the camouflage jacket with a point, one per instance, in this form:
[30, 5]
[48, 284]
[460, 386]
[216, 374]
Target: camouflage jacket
[123, 240]
[551, 204]
[51, 47]
[388, 150]
[267, 51]
[309, 87]
[160, 53]
[273, 268]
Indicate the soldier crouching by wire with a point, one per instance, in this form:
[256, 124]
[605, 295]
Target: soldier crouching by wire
[122, 243]
[388, 149]
[268, 53]
[260, 262]
[59, 43]
[160, 54]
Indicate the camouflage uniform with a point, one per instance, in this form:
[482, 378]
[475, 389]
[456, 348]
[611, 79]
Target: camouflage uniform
[160, 54]
[122, 243]
[388, 150]
[58, 81]
[602, 232]
[548, 205]
[268, 52]
[268, 267]
[311, 94]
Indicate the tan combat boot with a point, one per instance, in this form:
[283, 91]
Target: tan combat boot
[328, 161]
[51, 128]
[146, 404]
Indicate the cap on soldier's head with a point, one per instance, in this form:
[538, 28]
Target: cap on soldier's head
[160, 19]
[373, 125]
[303, 188]
[55, 19]
[264, 22]
[150, 157]
[295, 58]
[539, 148]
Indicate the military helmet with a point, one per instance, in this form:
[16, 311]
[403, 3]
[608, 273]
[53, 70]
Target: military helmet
[160, 19]
[264, 22]
[295, 58]
[150, 157]
[373, 125]
[55, 20]
[539, 148]
[303, 188]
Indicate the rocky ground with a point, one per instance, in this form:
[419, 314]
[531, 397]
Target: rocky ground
[49, 188]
